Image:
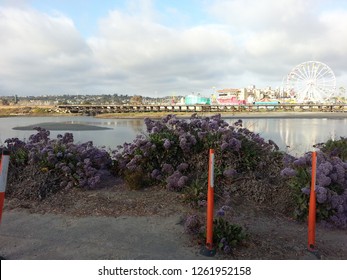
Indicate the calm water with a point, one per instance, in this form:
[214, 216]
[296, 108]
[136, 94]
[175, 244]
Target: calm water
[293, 135]
[122, 130]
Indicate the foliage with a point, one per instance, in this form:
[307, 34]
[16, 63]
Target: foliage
[226, 235]
[40, 111]
[174, 152]
[5, 102]
[331, 185]
[136, 100]
[76, 165]
[196, 193]
[134, 180]
[336, 148]
[193, 225]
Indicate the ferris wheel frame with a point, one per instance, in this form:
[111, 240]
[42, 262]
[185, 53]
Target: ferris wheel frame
[311, 81]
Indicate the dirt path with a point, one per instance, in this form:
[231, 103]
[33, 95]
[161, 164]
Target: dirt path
[60, 237]
[116, 223]
[275, 236]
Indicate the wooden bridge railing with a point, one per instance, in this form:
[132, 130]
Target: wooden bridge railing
[100, 109]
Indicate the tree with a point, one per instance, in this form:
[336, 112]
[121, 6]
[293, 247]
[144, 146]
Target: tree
[136, 99]
[5, 102]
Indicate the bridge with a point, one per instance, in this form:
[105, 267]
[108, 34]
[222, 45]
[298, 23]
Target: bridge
[103, 109]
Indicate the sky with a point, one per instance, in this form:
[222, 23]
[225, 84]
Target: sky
[165, 47]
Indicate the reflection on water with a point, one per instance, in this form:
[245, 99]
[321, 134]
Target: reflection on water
[124, 130]
[135, 124]
[292, 135]
[297, 136]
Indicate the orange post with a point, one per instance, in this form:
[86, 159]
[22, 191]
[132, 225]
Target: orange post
[210, 202]
[312, 206]
[5, 158]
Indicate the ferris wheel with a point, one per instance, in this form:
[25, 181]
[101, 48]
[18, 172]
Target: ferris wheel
[311, 81]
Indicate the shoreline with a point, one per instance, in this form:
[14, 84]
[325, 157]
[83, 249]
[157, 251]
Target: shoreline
[48, 111]
[246, 115]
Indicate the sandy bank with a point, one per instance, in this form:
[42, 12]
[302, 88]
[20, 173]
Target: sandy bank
[61, 126]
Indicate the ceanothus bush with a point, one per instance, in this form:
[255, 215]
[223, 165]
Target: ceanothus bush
[331, 186]
[73, 165]
[174, 152]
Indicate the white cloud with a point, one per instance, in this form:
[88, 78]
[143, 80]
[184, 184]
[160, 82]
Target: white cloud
[133, 52]
[149, 52]
[39, 51]
[277, 35]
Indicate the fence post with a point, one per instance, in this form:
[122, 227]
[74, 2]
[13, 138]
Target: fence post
[312, 206]
[5, 159]
[208, 249]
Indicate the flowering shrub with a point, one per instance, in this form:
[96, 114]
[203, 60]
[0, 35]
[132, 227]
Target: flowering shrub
[174, 152]
[67, 163]
[193, 225]
[335, 148]
[226, 236]
[331, 185]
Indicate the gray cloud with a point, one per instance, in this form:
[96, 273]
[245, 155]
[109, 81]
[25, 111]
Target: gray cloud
[39, 52]
[250, 42]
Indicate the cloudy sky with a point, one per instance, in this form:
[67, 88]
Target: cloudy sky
[164, 47]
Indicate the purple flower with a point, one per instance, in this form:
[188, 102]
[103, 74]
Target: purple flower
[202, 135]
[155, 173]
[59, 155]
[182, 167]
[220, 212]
[306, 190]
[167, 168]
[321, 194]
[321, 197]
[172, 181]
[168, 117]
[333, 177]
[235, 144]
[226, 208]
[238, 123]
[173, 121]
[323, 180]
[340, 171]
[192, 139]
[183, 143]
[300, 162]
[340, 209]
[213, 125]
[288, 159]
[229, 173]
[167, 144]
[325, 167]
[224, 146]
[288, 172]
[227, 249]
[335, 201]
[202, 203]
[192, 224]
[155, 130]
[182, 181]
